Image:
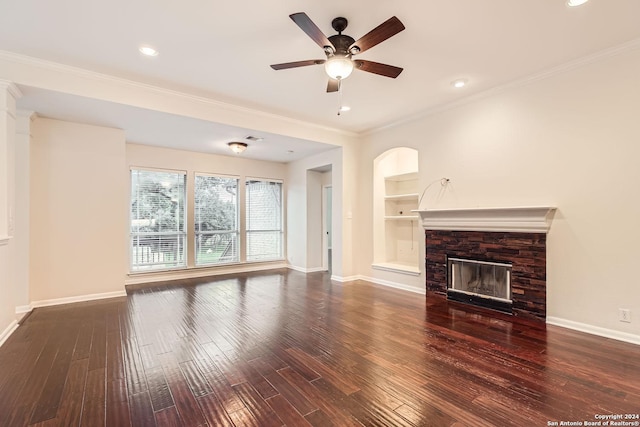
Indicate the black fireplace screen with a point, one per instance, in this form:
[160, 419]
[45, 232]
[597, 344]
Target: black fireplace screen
[481, 278]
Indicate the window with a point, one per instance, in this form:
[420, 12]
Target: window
[264, 220]
[157, 220]
[216, 219]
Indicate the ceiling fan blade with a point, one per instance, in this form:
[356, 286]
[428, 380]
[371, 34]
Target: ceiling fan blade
[306, 24]
[333, 85]
[296, 64]
[378, 68]
[387, 29]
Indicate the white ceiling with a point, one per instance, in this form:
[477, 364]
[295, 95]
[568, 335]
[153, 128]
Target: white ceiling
[223, 50]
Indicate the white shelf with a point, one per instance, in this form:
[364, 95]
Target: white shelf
[409, 196]
[402, 177]
[401, 217]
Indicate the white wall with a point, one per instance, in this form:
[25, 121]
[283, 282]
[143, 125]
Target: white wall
[21, 211]
[571, 140]
[78, 178]
[314, 220]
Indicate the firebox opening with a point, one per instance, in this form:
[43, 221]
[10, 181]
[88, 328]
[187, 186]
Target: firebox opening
[482, 283]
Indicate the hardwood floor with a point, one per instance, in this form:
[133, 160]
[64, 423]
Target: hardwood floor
[284, 348]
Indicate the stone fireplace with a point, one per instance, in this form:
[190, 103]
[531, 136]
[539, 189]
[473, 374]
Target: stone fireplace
[495, 258]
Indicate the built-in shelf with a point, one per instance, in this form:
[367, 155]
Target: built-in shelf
[397, 236]
[397, 267]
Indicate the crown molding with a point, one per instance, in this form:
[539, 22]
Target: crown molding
[560, 69]
[93, 75]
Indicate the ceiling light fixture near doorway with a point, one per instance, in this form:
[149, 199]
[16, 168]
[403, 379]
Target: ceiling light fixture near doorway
[574, 3]
[345, 108]
[148, 51]
[237, 147]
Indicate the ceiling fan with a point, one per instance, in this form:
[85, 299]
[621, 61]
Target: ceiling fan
[340, 49]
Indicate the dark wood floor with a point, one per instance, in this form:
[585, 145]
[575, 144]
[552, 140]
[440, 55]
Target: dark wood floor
[282, 348]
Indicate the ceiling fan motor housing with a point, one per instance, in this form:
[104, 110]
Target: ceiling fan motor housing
[341, 42]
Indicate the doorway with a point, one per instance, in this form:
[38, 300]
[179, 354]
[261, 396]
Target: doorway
[326, 226]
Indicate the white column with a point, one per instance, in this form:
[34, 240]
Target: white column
[21, 211]
[9, 93]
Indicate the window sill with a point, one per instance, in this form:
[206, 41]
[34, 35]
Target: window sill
[138, 277]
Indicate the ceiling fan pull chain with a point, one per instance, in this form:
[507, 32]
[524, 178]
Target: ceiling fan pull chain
[340, 94]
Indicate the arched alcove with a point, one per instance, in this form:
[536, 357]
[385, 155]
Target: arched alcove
[396, 233]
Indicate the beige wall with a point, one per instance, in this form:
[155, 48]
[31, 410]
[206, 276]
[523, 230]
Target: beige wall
[78, 214]
[571, 140]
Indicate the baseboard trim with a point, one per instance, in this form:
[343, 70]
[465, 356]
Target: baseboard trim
[306, 270]
[395, 285]
[594, 330]
[382, 282]
[23, 309]
[345, 279]
[79, 298]
[4, 335]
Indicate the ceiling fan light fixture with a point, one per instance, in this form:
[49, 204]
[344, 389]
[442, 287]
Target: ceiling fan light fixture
[237, 147]
[339, 67]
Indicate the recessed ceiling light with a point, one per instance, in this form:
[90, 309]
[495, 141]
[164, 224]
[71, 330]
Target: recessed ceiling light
[459, 83]
[345, 108]
[574, 3]
[148, 51]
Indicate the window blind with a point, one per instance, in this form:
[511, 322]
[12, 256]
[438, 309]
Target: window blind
[216, 219]
[158, 235]
[264, 220]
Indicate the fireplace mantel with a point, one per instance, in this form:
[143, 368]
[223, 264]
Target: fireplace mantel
[536, 219]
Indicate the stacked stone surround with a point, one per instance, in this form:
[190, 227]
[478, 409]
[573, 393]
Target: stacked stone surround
[525, 251]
